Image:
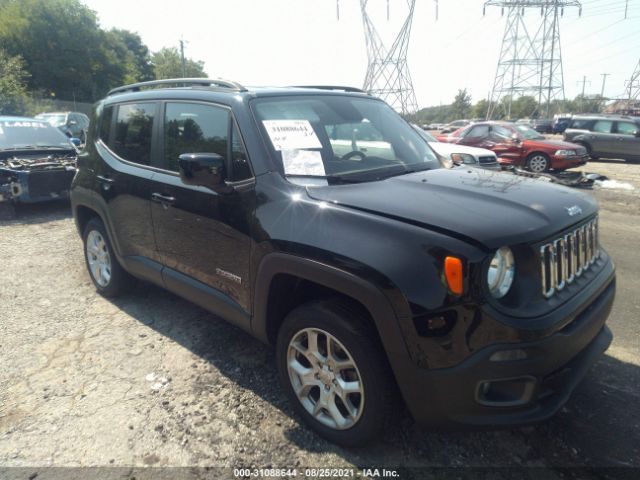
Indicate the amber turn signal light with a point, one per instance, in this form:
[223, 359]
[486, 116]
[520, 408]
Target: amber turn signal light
[453, 274]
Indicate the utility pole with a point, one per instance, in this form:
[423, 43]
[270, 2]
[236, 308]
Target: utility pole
[604, 79]
[184, 64]
[584, 82]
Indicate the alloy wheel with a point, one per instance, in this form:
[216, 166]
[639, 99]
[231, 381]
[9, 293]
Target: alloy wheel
[538, 164]
[325, 378]
[98, 258]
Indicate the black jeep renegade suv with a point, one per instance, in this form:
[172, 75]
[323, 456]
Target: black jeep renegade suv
[319, 221]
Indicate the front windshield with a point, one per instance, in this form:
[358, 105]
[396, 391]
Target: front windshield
[337, 136]
[16, 134]
[426, 135]
[528, 133]
[55, 119]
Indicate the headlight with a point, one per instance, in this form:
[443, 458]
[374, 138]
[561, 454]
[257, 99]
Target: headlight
[565, 153]
[501, 272]
[463, 158]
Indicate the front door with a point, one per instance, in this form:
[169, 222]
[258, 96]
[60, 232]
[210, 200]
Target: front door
[201, 234]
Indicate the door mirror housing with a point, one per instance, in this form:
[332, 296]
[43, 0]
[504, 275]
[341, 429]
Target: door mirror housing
[515, 139]
[202, 170]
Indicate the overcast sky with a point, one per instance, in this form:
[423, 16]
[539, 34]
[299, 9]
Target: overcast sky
[297, 42]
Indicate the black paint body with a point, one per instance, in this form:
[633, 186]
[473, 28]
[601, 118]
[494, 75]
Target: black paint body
[380, 243]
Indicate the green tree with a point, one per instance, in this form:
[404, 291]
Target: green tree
[13, 78]
[167, 63]
[524, 107]
[480, 109]
[461, 106]
[127, 47]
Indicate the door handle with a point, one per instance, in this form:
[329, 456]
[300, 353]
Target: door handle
[105, 181]
[165, 199]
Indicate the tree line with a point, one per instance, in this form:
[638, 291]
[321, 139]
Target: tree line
[56, 50]
[521, 107]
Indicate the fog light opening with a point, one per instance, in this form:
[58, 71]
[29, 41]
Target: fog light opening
[505, 392]
[508, 355]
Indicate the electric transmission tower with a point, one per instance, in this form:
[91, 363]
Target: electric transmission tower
[530, 59]
[633, 85]
[388, 74]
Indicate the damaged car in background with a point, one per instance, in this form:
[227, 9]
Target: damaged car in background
[37, 163]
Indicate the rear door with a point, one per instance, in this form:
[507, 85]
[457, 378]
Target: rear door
[626, 140]
[124, 180]
[602, 139]
[202, 235]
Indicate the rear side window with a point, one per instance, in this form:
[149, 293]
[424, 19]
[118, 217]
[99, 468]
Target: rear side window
[240, 169]
[134, 126]
[194, 128]
[627, 128]
[581, 124]
[603, 126]
[105, 124]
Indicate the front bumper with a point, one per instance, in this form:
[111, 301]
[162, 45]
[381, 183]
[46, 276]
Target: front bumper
[483, 392]
[562, 163]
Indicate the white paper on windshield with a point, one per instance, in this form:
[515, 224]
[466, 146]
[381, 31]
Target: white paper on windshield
[291, 134]
[302, 162]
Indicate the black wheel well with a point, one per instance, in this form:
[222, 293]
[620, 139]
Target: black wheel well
[537, 152]
[583, 144]
[83, 215]
[287, 292]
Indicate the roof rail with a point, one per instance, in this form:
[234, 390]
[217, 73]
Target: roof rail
[331, 87]
[185, 82]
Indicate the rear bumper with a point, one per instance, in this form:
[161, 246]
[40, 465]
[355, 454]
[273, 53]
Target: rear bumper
[483, 392]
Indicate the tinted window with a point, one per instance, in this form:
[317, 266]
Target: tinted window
[603, 126]
[500, 133]
[627, 128]
[105, 124]
[134, 125]
[581, 124]
[193, 128]
[240, 169]
[478, 131]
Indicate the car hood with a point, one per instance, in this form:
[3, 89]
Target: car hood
[551, 144]
[490, 208]
[449, 148]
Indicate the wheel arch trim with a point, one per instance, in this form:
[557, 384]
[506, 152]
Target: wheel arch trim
[376, 303]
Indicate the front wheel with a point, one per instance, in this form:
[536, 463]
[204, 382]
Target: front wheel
[538, 163]
[334, 372]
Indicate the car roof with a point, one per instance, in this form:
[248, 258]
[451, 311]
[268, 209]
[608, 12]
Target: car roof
[217, 90]
[11, 118]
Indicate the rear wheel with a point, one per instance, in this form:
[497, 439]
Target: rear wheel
[108, 276]
[334, 372]
[538, 163]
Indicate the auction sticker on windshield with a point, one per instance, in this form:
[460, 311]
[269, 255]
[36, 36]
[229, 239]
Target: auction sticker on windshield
[302, 162]
[291, 134]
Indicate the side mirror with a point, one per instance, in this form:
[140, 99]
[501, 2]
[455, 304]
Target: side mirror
[202, 170]
[515, 139]
[76, 141]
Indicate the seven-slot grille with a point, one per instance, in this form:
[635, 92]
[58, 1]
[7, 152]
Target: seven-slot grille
[566, 258]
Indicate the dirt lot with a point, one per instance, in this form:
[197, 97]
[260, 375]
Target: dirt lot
[151, 380]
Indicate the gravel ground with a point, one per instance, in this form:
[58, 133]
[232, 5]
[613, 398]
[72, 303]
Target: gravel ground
[151, 380]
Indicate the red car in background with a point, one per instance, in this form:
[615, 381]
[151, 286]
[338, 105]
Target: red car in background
[520, 145]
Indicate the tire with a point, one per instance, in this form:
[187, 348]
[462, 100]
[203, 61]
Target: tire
[106, 273]
[357, 347]
[589, 150]
[7, 210]
[538, 162]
